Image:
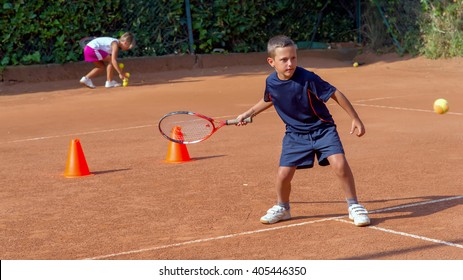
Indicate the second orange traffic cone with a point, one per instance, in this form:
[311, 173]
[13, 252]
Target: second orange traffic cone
[76, 165]
[176, 152]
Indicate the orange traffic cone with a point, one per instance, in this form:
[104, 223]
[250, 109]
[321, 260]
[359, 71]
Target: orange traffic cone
[76, 164]
[177, 153]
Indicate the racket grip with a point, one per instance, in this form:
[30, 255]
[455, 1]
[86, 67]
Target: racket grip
[235, 121]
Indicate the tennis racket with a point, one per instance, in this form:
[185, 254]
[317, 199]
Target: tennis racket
[188, 128]
[84, 41]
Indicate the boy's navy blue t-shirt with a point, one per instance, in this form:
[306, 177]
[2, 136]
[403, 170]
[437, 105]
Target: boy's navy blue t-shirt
[300, 101]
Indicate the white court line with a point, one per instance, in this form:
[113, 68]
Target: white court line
[151, 125]
[212, 239]
[292, 225]
[409, 235]
[416, 204]
[97, 131]
[383, 98]
[80, 133]
[404, 109]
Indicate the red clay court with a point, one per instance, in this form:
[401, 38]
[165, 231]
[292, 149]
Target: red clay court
[408, 167]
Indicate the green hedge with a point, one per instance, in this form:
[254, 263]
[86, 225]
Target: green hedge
[49, 31]
[40, 32]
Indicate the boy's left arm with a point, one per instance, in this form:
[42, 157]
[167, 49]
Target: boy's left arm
[342, 100]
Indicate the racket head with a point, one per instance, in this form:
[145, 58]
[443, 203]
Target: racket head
[185, 127]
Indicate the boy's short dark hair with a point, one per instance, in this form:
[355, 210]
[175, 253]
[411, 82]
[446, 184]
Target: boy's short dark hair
[279, 41]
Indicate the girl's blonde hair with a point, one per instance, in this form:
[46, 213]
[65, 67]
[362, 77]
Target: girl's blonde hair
[128, 37]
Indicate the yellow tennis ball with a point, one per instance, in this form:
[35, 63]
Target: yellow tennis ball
[356, 64]
[441, 106]
[127, 74]
[121, 65]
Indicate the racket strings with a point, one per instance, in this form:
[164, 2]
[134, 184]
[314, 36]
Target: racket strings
[177, 133]
[186, 128]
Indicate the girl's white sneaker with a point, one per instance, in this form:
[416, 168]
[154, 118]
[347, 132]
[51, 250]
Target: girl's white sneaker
[112, 84]
[87, 82]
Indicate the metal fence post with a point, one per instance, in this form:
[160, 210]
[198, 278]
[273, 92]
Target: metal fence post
[190, 28]
[359, 21]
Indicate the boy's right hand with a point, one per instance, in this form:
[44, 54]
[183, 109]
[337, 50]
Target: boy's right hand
[241, 118]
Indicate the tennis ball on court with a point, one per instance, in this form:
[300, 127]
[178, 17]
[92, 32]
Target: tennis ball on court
[441, 106]
[121, 65]
[356, 64]
[127, 75]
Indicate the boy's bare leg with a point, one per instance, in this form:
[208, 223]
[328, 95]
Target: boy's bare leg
[342, 170]
[357, 212]
[283, 184]
[280, 212]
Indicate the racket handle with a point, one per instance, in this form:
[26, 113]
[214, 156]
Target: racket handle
[235, 121]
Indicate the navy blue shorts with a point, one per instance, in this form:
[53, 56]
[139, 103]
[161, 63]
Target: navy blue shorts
[299, 149]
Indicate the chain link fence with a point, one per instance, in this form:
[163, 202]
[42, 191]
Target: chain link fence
[392, 24]
[199, 26]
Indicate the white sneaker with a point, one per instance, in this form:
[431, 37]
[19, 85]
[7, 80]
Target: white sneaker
[359, 214]
[275, 214]
[112, 84]
[87, 82]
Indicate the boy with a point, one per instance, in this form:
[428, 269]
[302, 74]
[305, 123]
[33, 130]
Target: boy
[105, 49]
[299, 97]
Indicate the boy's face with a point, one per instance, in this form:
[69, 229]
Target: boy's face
[284, 62]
